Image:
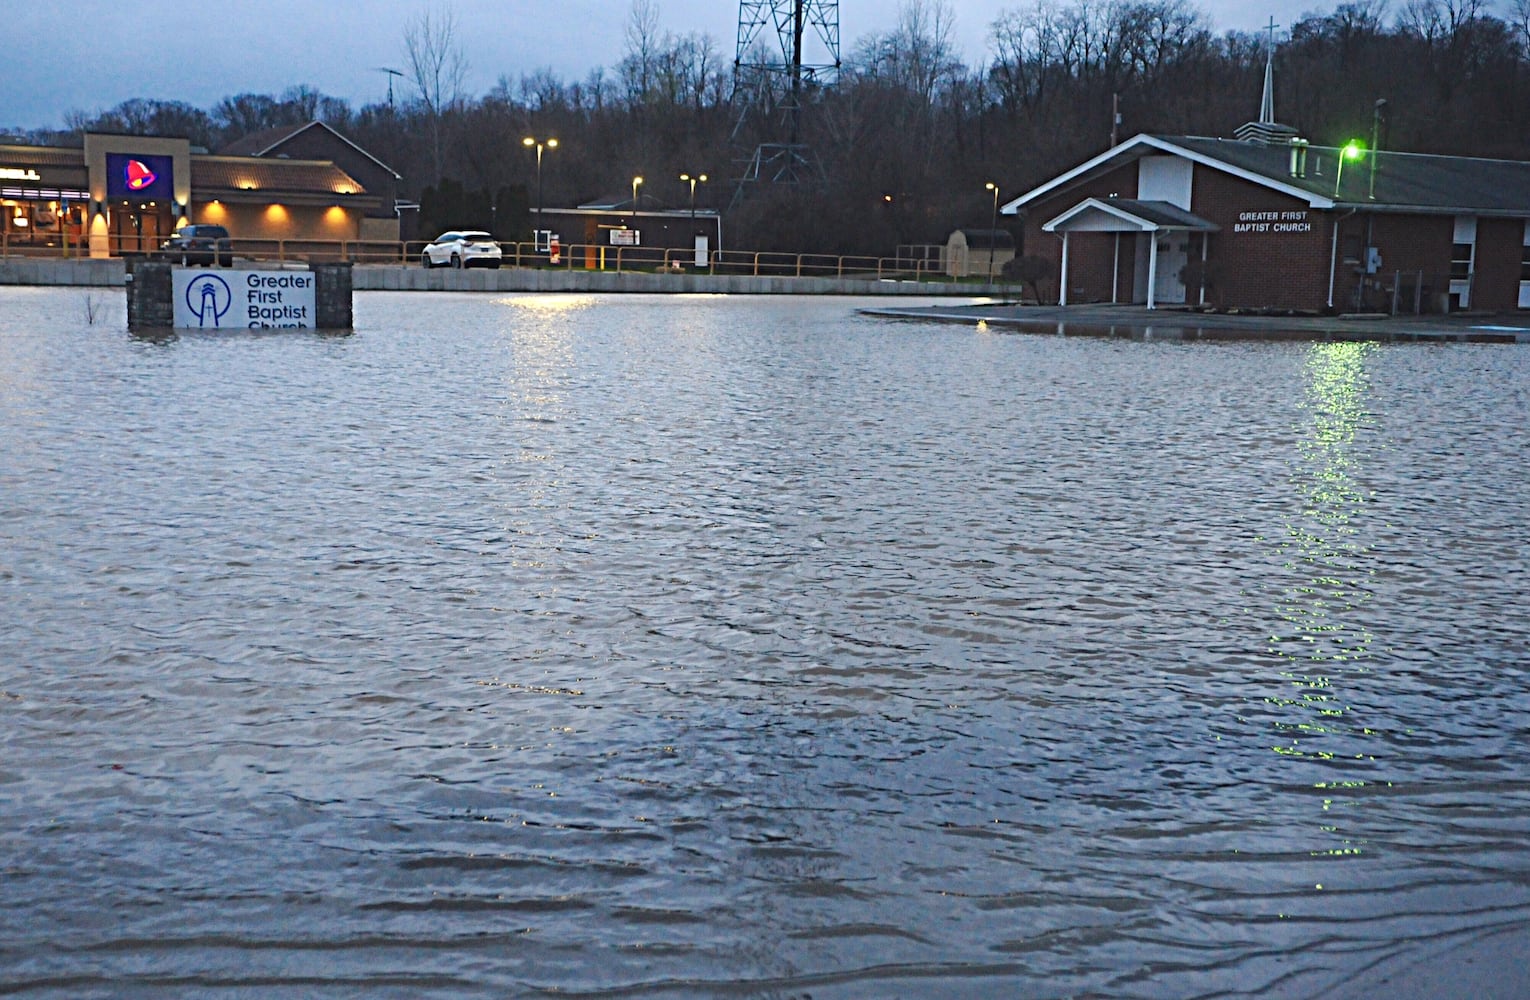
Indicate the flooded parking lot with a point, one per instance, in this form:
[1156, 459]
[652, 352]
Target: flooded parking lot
[724, 646]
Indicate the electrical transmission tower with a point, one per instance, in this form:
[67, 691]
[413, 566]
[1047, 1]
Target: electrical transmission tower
[768, 82]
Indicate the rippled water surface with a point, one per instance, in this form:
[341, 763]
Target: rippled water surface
[691, 647]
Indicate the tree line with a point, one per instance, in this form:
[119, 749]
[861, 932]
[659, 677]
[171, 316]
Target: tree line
[902, 144]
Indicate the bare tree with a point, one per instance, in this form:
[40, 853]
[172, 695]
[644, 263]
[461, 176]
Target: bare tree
[1437, 21]
[304, 102]
[643, 43]
[144, 116]
[437, 67]
[918, 55]
[1519, 20]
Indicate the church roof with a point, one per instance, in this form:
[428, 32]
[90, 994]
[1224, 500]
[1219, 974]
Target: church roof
[1418, 183]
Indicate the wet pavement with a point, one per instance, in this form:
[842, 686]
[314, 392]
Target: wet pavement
[1139, 322]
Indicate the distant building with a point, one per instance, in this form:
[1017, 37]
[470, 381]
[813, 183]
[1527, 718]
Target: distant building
[1267, 220]
[126, 194]
[1169, 220]
[317, 140]
[597, 230]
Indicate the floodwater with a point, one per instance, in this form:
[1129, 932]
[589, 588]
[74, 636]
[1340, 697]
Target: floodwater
[601, 646]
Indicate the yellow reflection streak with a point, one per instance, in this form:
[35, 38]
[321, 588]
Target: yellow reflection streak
[548, 303]
[1321, 638]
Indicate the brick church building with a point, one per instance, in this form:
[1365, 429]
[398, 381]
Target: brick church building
[1267, 220]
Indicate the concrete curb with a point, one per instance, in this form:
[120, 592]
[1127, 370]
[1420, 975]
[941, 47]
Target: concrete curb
[400, 278]
[1141, 323]
[83, 273]
[528, 279]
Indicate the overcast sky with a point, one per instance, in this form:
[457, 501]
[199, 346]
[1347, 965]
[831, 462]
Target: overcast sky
[89, 55]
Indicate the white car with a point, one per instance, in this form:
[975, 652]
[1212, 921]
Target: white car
[461, 248]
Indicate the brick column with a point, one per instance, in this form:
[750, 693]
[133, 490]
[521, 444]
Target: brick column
[332, 295]
[150, 295]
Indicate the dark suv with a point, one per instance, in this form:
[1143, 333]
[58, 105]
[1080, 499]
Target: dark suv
[199, 245]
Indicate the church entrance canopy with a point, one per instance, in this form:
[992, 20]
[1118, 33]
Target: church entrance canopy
[1154, 219]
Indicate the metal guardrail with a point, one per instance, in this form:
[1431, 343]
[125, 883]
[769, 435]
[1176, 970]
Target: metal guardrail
[578, 256]
[1396, 292]
[1412, 293]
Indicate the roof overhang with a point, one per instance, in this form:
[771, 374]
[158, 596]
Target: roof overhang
[1390, 208]
[268, 196]
[332, 131]
[627, 213]
[1116, 215]
[1146, 145]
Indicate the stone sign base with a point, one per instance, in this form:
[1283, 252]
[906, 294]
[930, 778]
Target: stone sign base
[151, 296]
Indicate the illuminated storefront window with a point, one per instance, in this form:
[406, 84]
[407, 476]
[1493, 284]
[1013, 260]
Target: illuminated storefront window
[43, 219]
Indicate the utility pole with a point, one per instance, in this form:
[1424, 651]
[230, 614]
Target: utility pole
[539, 144]
[693, 178]
[391, 74]
[1378, 114]
[993, 230]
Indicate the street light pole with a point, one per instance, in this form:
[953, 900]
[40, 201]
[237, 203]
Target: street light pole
[693, 180]
[635, 182]
[539, 144]
[993, 229]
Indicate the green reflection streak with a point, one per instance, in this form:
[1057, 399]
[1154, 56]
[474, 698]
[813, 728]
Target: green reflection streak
[1320, 637]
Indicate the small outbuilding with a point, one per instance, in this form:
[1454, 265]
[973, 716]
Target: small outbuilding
[979, 253]
[642, 231]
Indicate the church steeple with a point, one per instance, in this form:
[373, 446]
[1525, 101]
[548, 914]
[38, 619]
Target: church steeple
[1267, 131]
[1267, 102]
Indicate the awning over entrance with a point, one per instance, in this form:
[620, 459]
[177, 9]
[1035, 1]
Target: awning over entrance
[1126, 215]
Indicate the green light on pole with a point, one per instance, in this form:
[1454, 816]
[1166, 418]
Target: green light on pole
[1353, 150]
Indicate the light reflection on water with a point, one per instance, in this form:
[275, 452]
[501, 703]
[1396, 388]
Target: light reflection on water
[697, 646]
[1325, 641]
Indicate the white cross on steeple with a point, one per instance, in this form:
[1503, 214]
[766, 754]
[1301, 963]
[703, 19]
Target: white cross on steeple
[1267, 103]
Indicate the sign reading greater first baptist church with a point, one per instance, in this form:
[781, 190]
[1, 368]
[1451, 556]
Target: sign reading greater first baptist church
[243, 300]
[1272, 222]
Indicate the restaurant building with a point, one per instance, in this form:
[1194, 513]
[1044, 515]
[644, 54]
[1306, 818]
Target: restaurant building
[317, 140]
[121, 194]
[1267, 220]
